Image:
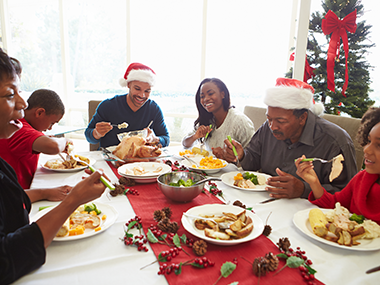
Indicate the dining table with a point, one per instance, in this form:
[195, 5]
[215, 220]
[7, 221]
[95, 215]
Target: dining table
[103, 258]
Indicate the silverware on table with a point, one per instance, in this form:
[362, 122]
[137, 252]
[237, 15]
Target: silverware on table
[268, 200]
[377, 268]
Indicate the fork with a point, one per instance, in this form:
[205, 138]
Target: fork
[198, 217]
[202, 144]
[319, 159]
[105, 181]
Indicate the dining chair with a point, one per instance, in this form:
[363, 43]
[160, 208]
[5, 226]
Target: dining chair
[350, 125]
[92, 105]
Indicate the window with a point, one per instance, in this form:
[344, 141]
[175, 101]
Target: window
[81, 48]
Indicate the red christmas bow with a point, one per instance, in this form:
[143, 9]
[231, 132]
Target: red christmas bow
[339, 29]
[309, 71]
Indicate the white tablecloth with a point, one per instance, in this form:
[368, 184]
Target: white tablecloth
[104, 259]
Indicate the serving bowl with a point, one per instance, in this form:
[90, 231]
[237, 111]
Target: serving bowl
[180, 193]
[140, 133]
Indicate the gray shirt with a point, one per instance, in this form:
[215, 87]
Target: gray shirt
[320, 138]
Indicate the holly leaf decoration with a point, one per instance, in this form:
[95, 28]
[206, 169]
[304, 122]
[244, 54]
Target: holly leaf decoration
[162, 237]
[234, 283]
[309, 269]
[128, 235]
[294, 262]
[227, 268]
[183, 238]
[196, 265]
[162, 258]
[151, 237]
[282, 255]
[176, 240]
[131, 225]
[179, 270]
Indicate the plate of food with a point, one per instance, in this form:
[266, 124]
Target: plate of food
[233, 225]
[143, 172]
[248, 181]
[58, 165]
[208, 164]
[334, 234]
[88, 220]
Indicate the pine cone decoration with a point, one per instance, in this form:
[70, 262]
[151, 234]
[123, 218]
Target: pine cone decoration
[119, 189]
[260, 266]
[200, 247]
[239, 204]
[273, 261]
[126, 181]
[284, 244]
[164, 224]
[172, 227]
[267, 230]
[168, 212]
[158, 215]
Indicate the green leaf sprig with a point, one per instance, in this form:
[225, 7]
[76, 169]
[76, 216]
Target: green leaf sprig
[292, 262]
[226, 269]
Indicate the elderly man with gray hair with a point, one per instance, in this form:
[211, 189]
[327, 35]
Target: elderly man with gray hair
[293, 128]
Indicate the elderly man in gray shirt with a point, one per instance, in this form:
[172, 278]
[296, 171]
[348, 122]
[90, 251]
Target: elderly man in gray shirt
[293, 128]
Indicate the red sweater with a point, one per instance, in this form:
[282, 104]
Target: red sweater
[18, 152]
[361, 196]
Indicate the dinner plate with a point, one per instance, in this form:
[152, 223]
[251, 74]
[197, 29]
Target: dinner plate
[301, 221]
[108, 210]
[92, 162]
[197, 159]
[149, 167]
[209, 209]
[228, 179]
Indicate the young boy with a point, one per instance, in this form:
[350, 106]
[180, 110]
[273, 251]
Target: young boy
[22, 150]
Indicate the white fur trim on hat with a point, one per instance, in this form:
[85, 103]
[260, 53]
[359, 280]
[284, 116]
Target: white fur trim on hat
[290, 97]
[143, 75]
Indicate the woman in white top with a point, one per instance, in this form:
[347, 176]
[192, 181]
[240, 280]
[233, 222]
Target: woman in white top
[214, 108]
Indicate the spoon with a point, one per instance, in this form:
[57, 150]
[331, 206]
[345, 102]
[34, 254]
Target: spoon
[205, 180]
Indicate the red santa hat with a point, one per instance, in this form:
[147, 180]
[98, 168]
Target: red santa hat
[139, 72]
[292, 94]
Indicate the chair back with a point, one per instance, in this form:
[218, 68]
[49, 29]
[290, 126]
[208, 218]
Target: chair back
[256, 114]
[92, 105]
[350, 125]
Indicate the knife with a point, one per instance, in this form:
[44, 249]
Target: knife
[377, 268]
[268, 200]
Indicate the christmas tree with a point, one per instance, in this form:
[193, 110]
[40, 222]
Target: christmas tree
[355, 100]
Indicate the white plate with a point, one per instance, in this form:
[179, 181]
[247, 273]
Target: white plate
[150, 167]
[228, 179]
[92, 162]
[301, 220]
[188, 223]
[198, 159]
[107, 210]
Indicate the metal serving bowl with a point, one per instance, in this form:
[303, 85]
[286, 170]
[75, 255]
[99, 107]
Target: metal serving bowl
[180, 194]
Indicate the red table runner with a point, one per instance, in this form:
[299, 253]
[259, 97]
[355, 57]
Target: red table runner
[150, 199]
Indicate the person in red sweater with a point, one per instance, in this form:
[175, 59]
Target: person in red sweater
[22, 150]
[362, 194]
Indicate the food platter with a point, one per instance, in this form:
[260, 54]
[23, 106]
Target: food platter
[228, 179]
[301, 221]
[106, 209]
[151, 169]
[188, 223]
[197, 159]
[92, 162]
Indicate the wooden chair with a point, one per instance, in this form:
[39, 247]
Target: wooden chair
[92, 105]
[350, 125]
